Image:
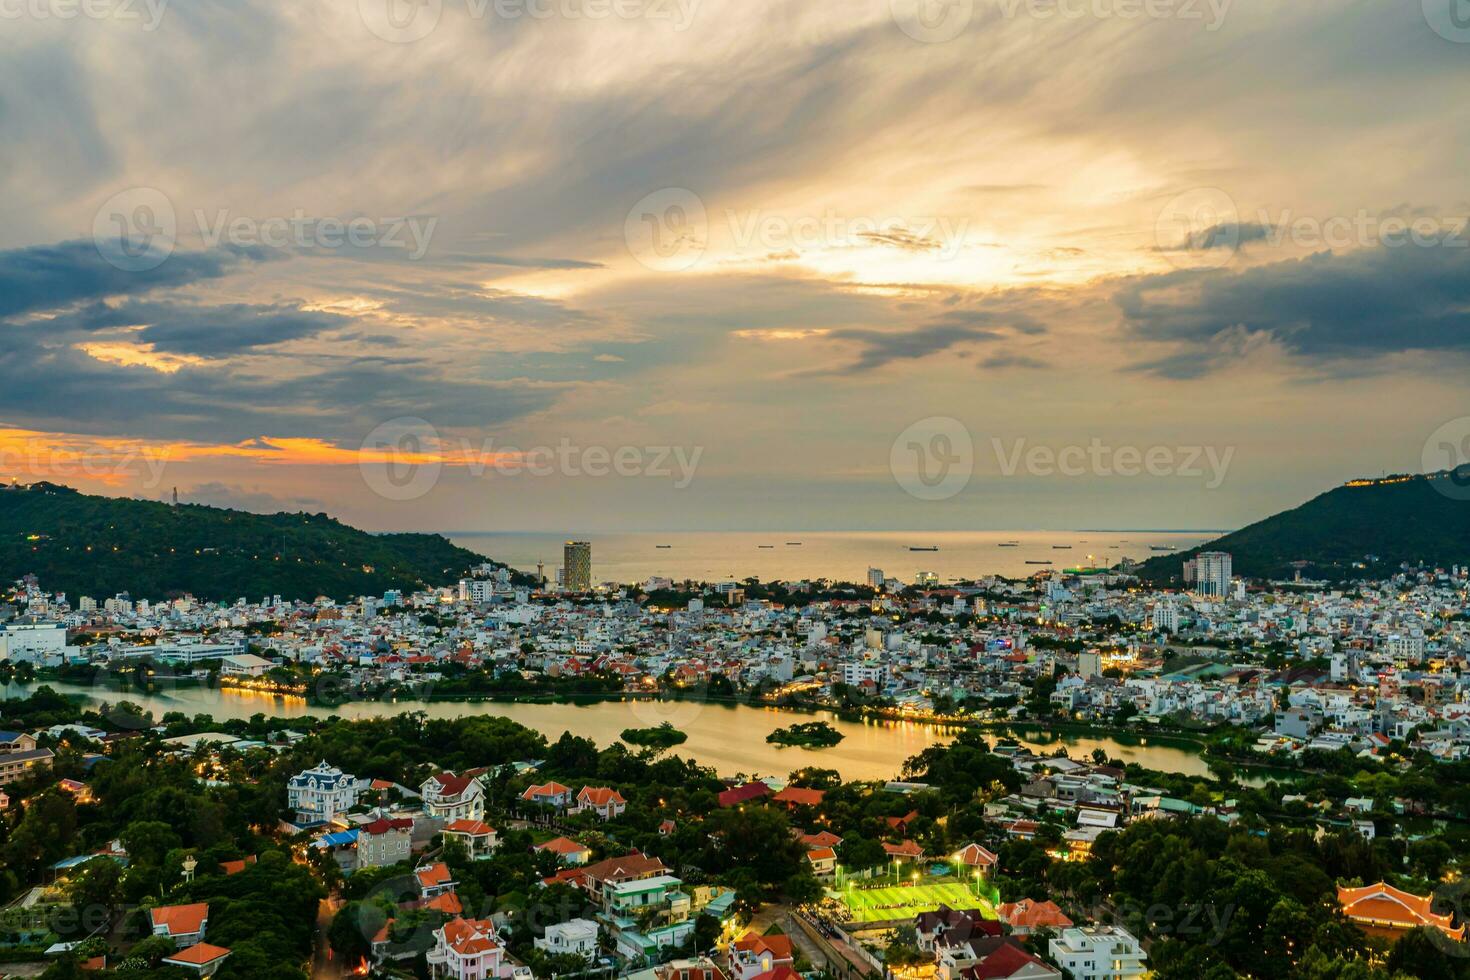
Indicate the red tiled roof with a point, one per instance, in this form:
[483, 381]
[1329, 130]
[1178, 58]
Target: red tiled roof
[180, 920]
[475, 828]
[800, 796]
[198, 955]
[1392, 908]
[434, 875]
[599, 796]
[446, 902]
[778, 946]
[743, 794]
[1006, 961]
[469, 937]
[1032, 915]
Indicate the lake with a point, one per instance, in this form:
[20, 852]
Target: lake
[730, 738]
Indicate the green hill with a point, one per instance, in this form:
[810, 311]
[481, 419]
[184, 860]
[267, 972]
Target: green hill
[100, 546]
[1362, 529]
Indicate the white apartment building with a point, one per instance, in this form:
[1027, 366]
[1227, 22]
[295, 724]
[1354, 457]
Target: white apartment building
[1212, 573]
[855, 674]
[1098, 953]
[38, 643]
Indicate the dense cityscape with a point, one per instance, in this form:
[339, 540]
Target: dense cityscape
[734, 490]
[1329, 725]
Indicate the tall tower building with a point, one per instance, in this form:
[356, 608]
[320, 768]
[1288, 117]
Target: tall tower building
[577, 566]
[1212, 573]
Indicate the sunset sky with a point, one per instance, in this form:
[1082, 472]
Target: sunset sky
[737, 247]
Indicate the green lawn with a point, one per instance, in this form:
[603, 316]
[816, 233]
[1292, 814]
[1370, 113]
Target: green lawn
[907, 901]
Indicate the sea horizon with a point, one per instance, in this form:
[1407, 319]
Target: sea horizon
[635, 556]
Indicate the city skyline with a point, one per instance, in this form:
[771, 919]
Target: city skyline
[713, 265]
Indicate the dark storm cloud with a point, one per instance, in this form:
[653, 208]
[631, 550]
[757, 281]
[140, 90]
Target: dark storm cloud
[197, 329]
[52, 303]
[49, 277]
[1326, 309]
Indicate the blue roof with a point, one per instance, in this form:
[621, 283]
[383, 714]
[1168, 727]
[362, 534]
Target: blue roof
[337, 839]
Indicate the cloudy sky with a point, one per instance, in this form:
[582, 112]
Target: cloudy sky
[606, 264]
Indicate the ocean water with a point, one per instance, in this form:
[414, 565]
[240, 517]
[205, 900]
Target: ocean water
[842, 555]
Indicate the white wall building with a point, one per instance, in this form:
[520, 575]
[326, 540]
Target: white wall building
[321, 794]
[1098, 953]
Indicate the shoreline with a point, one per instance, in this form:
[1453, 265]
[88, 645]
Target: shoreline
[1193, 743]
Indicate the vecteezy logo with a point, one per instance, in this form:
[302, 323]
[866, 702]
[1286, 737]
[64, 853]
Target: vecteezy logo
[932, 21]
[933, 458]
[400, 459]
[135, 230]
[668, 230]
[1448, 449]
[401, 21]
[1450, 19]
[1199, 229]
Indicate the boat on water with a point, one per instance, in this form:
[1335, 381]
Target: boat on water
[1061, 547]
[1161, 547]
[765, 546]
[663, 546]
[792, 544]
[932, 547]
[1032, 561]
[1009, 544]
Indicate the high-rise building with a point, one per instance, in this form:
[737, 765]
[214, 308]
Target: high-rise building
[1212, 573]
[577, 566]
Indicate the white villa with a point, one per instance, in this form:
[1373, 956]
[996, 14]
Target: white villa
[321, 794]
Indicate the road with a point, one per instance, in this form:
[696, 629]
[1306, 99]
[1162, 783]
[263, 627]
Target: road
[323, 965]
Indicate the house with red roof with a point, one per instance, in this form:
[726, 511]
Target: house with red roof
[448, 796]
[200, 958]
[606, 803]
[977, 857]
[983, 957]
[1010, 961]
[477, 836]
[747, 793]
[900, 825]
[383, 842]
[795, 796]
[467, 949]
[1383, 910]
[1027, 916]
[822, 838]
[903, 851]
[434, 879]
[568, 850]
[235, 867]
[551, 794]
[184, 924]
[751, 956]
[823, 861]
[598, 878]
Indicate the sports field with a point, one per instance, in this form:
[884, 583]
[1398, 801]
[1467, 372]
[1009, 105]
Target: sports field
[907, 901]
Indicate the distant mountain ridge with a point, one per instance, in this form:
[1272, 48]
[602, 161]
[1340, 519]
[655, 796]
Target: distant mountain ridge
[1361, 529]
[99, 546]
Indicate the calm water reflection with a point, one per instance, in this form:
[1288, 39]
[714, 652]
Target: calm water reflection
[731, 738]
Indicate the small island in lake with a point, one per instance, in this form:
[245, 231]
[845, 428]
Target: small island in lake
[663, 736]
[811, 735]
